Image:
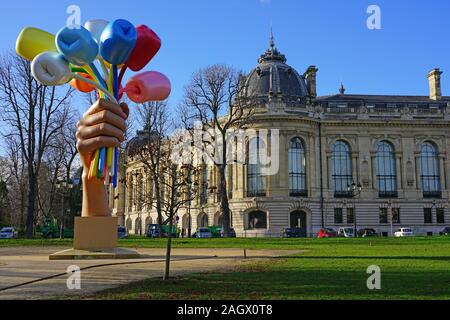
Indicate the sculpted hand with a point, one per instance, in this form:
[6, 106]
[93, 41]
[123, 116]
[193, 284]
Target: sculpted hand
[103, 125]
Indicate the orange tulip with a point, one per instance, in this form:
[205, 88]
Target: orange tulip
[82, 86]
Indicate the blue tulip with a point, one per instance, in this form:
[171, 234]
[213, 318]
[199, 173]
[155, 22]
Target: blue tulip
[118, 41]
[77, 45]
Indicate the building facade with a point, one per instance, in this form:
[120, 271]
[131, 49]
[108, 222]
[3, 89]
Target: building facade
[397, 148]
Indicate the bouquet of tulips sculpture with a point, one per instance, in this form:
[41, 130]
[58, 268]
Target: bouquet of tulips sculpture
[73, 56]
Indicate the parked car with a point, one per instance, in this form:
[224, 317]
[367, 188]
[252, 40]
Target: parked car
[326, 233]
[292, 233]
[368, 232]
[122, 233]
[404, 232]
[346, 232]
[153, 231]
[204, 233]
[232, 233]
[446, 231]
[8, 233]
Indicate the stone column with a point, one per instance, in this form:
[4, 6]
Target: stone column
[312, 174]
[442, 171]
[398, 168]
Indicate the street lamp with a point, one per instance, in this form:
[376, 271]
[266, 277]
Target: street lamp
[64, 188]
[354, 191]
[391, 216]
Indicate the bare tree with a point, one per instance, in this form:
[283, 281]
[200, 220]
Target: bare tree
[34, 114]
[148, 150]
[16, 175]
[4, 201]
[58, 165]
[179, 190]
[213, 100]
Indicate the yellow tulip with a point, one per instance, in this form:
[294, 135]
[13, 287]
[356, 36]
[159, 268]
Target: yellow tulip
[32, 42]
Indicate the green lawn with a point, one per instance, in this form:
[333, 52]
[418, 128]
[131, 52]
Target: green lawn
[417, 268]
[331, 269]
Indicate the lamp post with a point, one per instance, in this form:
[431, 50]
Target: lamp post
[64, 188]
[391, 216]
[354, 191]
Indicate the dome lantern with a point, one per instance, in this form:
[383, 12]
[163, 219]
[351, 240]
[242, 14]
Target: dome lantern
[272, 77]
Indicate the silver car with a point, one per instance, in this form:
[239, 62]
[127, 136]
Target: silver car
[8, 233]
[204, 233]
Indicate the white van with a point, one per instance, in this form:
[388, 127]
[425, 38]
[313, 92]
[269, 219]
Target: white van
[404, 232]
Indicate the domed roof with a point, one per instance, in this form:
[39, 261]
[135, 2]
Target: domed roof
[273, 76]
[143, 138]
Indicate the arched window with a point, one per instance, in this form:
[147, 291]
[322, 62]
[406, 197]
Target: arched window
[130, 188]
[205, 185]
[257, 220]
[138, 227]
[148, 222]
[342, 168]
[297, 169]
[430, 172]
[203, 220]
[386, 170]
[139, 192]
[256, 181]
[129, 224]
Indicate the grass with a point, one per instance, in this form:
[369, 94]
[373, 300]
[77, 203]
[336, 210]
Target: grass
[416, 268]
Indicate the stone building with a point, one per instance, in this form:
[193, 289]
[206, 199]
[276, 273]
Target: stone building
[397, 148]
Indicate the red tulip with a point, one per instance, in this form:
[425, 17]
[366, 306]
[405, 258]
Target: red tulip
[147, 46]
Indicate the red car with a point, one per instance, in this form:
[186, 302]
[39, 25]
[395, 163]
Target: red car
[326, 233]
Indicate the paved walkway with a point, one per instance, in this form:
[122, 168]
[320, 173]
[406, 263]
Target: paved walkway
[21, 265]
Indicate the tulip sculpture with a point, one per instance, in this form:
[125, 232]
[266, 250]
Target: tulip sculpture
[73, 56]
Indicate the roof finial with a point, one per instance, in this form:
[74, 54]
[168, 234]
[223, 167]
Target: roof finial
[272, 39]
[342, 89]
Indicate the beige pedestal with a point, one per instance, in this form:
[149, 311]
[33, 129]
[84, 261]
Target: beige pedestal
[95, 233]
[95, 238]
[111, 254]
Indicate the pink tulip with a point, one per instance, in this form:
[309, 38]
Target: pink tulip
[148, 86]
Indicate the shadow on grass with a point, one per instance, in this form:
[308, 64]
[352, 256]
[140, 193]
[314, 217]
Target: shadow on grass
[289, 284]
[437, 258]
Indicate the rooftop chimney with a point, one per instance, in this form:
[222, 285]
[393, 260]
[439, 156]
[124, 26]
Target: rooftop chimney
[434, 77]
[311, 82]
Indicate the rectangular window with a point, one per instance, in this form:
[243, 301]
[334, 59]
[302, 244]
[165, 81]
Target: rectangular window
[440, 215]
[383, 215]
[350, 215]
[338, 218]
[396, 215]
[428, 215]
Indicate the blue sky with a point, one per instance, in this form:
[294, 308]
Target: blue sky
[329, 34]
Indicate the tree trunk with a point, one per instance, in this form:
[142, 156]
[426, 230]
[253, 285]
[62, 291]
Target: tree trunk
[158, 204]
[224, 203]
[168, 251]
[31, 206]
